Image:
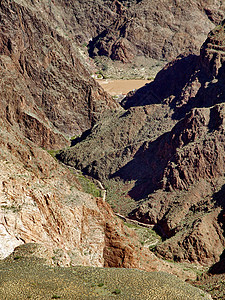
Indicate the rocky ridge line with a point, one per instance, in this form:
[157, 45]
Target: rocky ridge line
[167, 149]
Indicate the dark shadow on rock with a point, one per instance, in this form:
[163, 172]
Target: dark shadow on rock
[174, 80]
[215, 119]
[147, 167]
[219, 198]
[95, 44]
[169, 82]
[219, 267]
[211, 92]
[104, 44]
[80, 138]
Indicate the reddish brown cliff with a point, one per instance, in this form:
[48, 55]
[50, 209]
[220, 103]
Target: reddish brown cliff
[167, 149]
[47, 96]
[45, 88]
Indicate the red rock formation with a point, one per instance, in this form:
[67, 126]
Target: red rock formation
[45, 94]
[45, 87]
[168, 149]
[42, 202]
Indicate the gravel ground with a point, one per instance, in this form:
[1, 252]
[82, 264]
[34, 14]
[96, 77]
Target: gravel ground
[30, 278]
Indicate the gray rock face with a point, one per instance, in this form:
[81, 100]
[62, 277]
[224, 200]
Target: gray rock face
[124, 29]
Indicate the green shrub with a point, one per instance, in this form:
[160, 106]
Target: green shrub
[116, 292]
[53, 153]
[100, 284]
[152, 248]
[17, 257]
[88, 186]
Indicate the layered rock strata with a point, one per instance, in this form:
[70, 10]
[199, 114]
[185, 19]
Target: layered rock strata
[44, 84]
[46, 97]
[167, 148]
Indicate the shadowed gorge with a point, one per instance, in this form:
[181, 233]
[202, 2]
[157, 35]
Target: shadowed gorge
[167, 149]
[111, 196]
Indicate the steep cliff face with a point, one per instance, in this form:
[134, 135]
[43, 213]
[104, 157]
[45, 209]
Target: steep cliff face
[168, 150]
[46, 96]
[124, 29]
[42, 202]
[44, 84]
[157, 29]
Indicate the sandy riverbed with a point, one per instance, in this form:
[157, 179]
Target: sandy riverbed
[119, 87]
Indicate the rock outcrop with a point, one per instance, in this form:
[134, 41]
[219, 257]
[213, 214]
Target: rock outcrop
[158, 29]
[42, 203]
[124, 29]
[167, 148]
[44, 84]
[47, 96]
